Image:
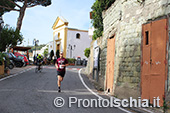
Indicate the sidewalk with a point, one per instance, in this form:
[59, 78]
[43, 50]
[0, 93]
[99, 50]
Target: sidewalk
[19, 69]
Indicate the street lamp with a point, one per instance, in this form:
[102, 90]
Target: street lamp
[71, 48]
[35, 42]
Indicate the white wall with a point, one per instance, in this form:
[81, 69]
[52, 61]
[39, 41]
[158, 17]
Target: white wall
[50, 46]
[81, 44]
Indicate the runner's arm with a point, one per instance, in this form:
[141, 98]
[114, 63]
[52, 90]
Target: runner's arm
[66, 63]
[56, 65]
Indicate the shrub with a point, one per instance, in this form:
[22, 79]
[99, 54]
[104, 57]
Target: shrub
[58, 53]
[87, 52]
[4, 58]
[1, 58]
[51, 54]
[10, 37]
[71, 60]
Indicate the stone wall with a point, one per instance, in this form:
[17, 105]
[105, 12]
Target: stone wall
[89, 68]
[124, 19]
[102, 63]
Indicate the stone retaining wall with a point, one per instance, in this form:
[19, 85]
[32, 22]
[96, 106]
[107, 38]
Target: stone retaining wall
[124, 19]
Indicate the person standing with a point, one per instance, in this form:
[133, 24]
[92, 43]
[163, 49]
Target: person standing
[61, 64]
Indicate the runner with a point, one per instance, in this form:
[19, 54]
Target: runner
[61, 64]
[39, 61]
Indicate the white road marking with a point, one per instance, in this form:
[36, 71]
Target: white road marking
[108, 95]
[96, 93]
[16, 74]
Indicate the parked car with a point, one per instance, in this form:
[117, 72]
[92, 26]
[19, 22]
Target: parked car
[84, 62]
[78, 61]
[22, 56]
[19, 62]
[11, 64]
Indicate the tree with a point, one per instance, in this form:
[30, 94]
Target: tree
[4, 4]
[3, 10]
[9, 38]
[45, 52]
[87, 52]
[58, 53]
[51, 54]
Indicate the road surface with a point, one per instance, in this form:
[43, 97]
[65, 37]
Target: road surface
[31, 92]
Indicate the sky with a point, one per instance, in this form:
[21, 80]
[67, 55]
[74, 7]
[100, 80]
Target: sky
[38, 21]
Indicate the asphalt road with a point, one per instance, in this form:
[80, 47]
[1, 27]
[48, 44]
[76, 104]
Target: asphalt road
[31, 92]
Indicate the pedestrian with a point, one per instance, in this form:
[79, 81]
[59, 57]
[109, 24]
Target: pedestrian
[34, 59]
[61, 64]
[55, 58]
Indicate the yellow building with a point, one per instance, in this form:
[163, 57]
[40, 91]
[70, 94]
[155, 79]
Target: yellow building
[60, 35]
[69, 40]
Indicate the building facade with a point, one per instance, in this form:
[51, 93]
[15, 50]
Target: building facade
[71, 41]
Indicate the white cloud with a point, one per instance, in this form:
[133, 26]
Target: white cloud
[38, 21]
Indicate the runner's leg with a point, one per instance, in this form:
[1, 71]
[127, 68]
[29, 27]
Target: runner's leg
[60, 79]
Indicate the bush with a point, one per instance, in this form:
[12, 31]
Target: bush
[4, 58]
[10, 37]
[87, 52]
[45, 52]
[71, 60]
[58, 53]
[51, 54]
[1, 58]
[51, 61]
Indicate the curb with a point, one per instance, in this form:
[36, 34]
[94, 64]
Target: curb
[132, 109]
[15, 74]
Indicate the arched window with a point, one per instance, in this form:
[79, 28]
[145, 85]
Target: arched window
[78, 35]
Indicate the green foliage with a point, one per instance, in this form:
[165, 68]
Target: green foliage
[6, 3]
[38, 47]
[52, 61]
[97, 20]
[165, 106]
[21, 6]
[97, 33]
[4, 57]
[71, 60]
[87, 52]
[58, 53]
[1, 58]
[9, 37]
[45, 52]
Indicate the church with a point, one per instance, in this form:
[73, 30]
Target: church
[71, 41]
